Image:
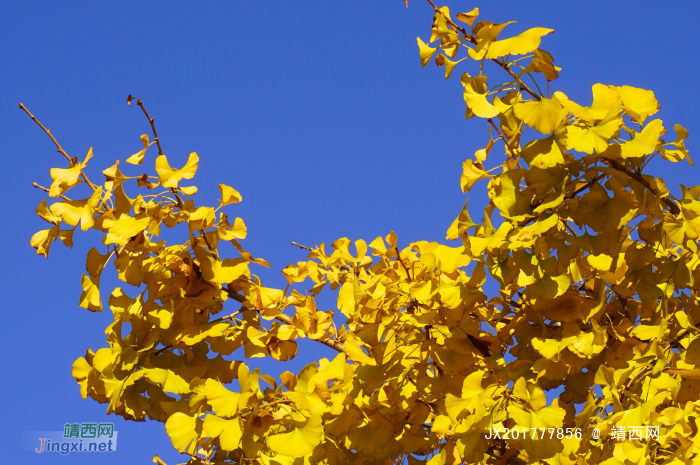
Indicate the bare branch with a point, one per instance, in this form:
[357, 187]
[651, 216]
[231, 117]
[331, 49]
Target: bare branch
[303, 246]
[180, 203]
[48, 133]
[58, 146]
[46, 190]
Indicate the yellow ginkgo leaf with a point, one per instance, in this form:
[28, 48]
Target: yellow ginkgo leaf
[648, 332]
[645, 142]
[189, 190]
[605, 99]
[43, 211]
[90, 298]
[461, 224]
[196, 334]
[114, 177]
[42, 240]
[638, 103]
[474, 398]
[78, 211]
[169, 177]
[679, 152]
[300, 441]
[229, 195]
[543, 115]
[548, 417]
[449, 64]
[426, 52]
[224, 402]
[66, 236]
[124, 228]
[592, 139]
[355, 352]
[168, 381]
[475, 96]
[547, 152]
[182, 430]
[137, 158]
[222, 272]
[487, 32]
[202, 218]
[227, 232]
[521, 44]
[229, 432]
[95, 262]
[65, 178]
[471, 173]
[468, 17]
[283, 350]
[678, 229]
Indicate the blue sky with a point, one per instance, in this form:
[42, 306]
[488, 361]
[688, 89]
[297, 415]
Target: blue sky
[317, 112]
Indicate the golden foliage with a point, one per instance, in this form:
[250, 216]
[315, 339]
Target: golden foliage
[596, 264]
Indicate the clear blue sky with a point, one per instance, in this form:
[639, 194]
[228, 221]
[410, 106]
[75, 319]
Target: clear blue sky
[317, 112]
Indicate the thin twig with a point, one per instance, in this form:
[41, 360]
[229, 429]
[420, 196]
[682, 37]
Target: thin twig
[46, 190]
[211, 249]
[48, 132]
[500, 63]
[58, 146]
[569, 228]
[398, 257]
[286, 319]
[503, 138]
[584, 187]
[150, 120]
[303, 246]
[180, 203]
[638, 177]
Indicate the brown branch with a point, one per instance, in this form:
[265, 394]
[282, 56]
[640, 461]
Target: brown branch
[150, 120]
[329, 341]
[398, 257]
[569, 228]
[568, 197]
[640, 179]
[634, 379]
[180, 203]
[46, 190]
[584, 187]
[211, 249]
[48, 133]
[503, 138]
[303, 246]
[286, 319]
[500, 63]
[58, 146]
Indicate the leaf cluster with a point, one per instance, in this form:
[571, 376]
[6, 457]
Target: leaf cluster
[595, 261]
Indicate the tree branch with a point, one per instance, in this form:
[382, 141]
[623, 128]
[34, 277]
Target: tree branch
[58, 146]
[48, 133]
[503, 65]
[180, 203]
[46, 190]
[150, 120]
[503, 138]
[398, 257]
[211, 249]
[286, 319]
[640, 179]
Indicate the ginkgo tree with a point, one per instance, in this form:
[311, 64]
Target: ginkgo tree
[595, 263]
